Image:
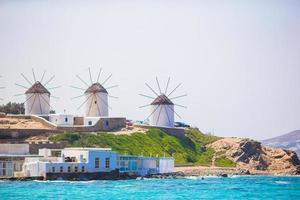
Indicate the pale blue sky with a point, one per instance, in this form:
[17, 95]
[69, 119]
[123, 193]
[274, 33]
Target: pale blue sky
[239, 61]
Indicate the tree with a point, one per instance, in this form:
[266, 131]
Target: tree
[13, 108]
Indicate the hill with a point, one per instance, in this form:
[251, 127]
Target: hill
[191, 150]
[288, 141]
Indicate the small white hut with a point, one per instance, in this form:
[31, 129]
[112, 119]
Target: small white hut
[37, 100]
[162, 109]
[96, 101]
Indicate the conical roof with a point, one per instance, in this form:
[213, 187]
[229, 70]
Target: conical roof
[162, 100]
[95, 88]
[37, 87]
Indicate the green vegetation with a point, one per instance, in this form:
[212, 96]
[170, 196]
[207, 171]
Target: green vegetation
[222, 161]
[189, 150]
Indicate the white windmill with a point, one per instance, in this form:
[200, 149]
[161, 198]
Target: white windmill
[37, 95]
[96, 96]
[162, 107]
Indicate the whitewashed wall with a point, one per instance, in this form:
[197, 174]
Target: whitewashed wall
[37, 105]
[96, 105]
[60, 119]
[163, 115]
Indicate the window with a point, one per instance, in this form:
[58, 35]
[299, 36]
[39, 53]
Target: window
[76, 169]
[69, 169]
[53, 169]
[82, 169]
[90, 123]
[97, 162]
[95, 102]
[107, 163]
[106, 123]
[66, 119]
[61, 169]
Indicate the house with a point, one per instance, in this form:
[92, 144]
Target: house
[92, 163]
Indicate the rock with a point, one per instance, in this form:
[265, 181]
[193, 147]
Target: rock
[251, 155]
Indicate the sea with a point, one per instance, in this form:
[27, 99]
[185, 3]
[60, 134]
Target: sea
[235, 187]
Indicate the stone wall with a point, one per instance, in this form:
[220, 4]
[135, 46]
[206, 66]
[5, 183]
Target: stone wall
[35, 146]
[84, 176]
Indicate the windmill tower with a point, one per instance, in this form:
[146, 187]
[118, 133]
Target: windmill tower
[162, 107]
[37, 95]
[96, 96]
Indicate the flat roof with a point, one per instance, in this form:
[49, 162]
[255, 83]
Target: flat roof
[15, 155]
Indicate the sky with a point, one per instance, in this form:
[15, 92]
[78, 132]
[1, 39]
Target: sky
[238, 61]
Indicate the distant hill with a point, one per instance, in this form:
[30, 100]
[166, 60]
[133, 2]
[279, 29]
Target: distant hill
[288, 141]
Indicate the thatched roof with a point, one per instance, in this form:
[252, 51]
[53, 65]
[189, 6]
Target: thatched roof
[162, 100]
[95, 88]
[37, 87]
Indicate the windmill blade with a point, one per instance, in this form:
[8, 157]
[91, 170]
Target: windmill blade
[166, 90]
[145, 106]
[21, 85]
[77, 87]
[82, 80]
[104, 101]
[16, 95]
[49, 80]
[174, 111]
[33, 75]
[107, 79]
[46, 101]
[53, 88]
[184, 95]
[77, 96]
[40, 103]
[180, 105]
[151, 89]
[159, 114]
[28, 98]
[174, 89]
[54, 97]
[32, 104]
[110, 87]
[84, 102]
[158, 85]
[43, 76]
[90, 76]
[26, 79]
[152, 112]
[99, 75]
[143, 95]
[91, 104]
[114, 97]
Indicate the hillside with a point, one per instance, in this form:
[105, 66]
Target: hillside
[288, 141]
[191, 150]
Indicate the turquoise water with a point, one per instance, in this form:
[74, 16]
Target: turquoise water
[251, 187]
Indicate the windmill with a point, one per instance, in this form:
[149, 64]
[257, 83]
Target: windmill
[162, 108]
[37, 95]
[96, 96]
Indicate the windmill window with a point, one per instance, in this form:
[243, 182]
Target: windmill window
[66, 119]
[95, 102]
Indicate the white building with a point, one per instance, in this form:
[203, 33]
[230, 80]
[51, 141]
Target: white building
[96, 101]
[37, 100]
[62, 119]
[12, 157]
[162, 110]
[92, 163]
[90, 121]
